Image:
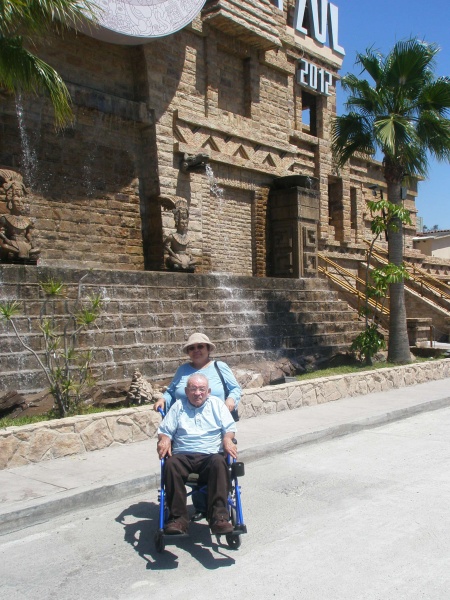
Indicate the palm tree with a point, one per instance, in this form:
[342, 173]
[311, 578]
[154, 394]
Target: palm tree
[403, 114]
[21, 21]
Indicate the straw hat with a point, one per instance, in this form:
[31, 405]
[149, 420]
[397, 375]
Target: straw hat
[198, 338]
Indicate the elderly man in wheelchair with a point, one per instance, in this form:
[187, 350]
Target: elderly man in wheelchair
[195, 437]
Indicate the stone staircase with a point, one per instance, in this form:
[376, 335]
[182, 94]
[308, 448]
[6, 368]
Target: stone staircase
[149, 315]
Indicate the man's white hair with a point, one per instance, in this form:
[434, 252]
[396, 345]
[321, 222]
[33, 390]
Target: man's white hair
[197, 376]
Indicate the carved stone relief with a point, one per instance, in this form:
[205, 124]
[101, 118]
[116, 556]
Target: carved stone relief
[16, 244]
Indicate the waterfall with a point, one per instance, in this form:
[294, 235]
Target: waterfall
[222, 240]
[216, 190]
[29, 158]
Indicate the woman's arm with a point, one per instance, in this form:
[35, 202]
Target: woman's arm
[234, 389]
[171, 394]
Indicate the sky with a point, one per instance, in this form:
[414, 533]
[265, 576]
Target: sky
[381, 23]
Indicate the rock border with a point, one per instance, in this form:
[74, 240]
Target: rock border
[47, 440]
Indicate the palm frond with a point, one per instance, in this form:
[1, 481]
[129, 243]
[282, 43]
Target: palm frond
[20, 70]
[22, 21]
[434, 133]
[394, 132]
[404, 113]
[371, 62]
[351, 133]
[436, 97]
[37, 15]
[410, 64]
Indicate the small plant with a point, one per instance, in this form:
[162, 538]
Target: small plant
[368, 343]
[53, 287]
[385, 217]
[66, 366]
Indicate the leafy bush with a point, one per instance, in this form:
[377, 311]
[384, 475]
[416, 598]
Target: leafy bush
[67, 367]
[368, 343]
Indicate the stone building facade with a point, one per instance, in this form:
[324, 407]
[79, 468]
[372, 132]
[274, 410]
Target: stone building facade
[229, 86]
[231, 117]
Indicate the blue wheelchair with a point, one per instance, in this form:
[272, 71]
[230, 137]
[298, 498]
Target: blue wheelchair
[198, 494]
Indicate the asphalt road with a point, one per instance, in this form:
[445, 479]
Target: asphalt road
[363, 517]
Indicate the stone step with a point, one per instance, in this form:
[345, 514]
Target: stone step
[33, 307]
[175, 289]
[172, 330]
[309, 313]
[11, 275]
[163, 349]
[148, 317]
[121, 365]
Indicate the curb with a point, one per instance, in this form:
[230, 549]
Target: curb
[42, 510]
[252, 454]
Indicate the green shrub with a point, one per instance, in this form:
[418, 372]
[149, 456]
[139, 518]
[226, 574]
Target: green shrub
[67, 367]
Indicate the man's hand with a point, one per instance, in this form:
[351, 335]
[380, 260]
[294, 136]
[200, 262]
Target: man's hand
[229, 446]
[164, 446]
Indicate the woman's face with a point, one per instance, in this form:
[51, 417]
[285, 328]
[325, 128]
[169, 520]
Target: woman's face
[199, 354]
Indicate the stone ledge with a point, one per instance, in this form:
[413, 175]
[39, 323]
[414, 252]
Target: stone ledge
[77, 435]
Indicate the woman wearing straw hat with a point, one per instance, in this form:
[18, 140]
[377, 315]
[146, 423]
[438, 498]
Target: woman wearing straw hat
[221, 380]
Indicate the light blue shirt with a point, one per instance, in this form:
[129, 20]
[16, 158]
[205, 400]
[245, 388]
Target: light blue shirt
[175, 390]
[200, 429]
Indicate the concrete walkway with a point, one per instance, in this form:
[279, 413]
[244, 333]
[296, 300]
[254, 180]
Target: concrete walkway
[36, 493]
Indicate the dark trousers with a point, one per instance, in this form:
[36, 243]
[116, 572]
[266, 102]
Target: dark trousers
[212, 470]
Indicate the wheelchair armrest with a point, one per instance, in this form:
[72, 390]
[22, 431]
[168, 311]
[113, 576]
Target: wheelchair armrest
[237, 469]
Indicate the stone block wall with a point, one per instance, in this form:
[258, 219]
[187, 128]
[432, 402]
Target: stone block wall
[418, 306]
[75, 435]
[149, 315]
[225, 86]
[78, 435]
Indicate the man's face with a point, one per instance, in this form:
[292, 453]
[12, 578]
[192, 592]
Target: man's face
[197, 391]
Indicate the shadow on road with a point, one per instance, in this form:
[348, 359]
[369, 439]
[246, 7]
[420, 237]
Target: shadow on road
[140, 522]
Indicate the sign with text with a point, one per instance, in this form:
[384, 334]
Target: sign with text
[314, 77]
[322, 17]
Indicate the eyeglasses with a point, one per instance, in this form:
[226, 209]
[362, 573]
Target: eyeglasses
[196, 347]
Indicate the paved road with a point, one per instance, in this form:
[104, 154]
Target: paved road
[364, 517]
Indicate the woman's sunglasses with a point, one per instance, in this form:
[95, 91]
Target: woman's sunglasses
[196, 347]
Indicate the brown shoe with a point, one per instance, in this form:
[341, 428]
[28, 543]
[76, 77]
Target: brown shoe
[220, 525]
[175, 527]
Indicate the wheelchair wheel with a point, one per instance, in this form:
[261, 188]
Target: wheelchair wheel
[159, 541]
[233, 541]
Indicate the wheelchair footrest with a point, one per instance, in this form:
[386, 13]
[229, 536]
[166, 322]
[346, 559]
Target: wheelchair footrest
[168, 536]
[239, 530]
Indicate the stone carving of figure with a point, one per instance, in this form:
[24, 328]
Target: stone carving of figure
[15, 228]
[176, 244]
[194, 162]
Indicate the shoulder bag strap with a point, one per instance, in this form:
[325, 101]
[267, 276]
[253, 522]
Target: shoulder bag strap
[234, 412]
[219, 372]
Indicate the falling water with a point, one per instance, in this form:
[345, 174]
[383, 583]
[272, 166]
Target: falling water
[29, 158]
[218, 193]
[243, 312]
[216, 190]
